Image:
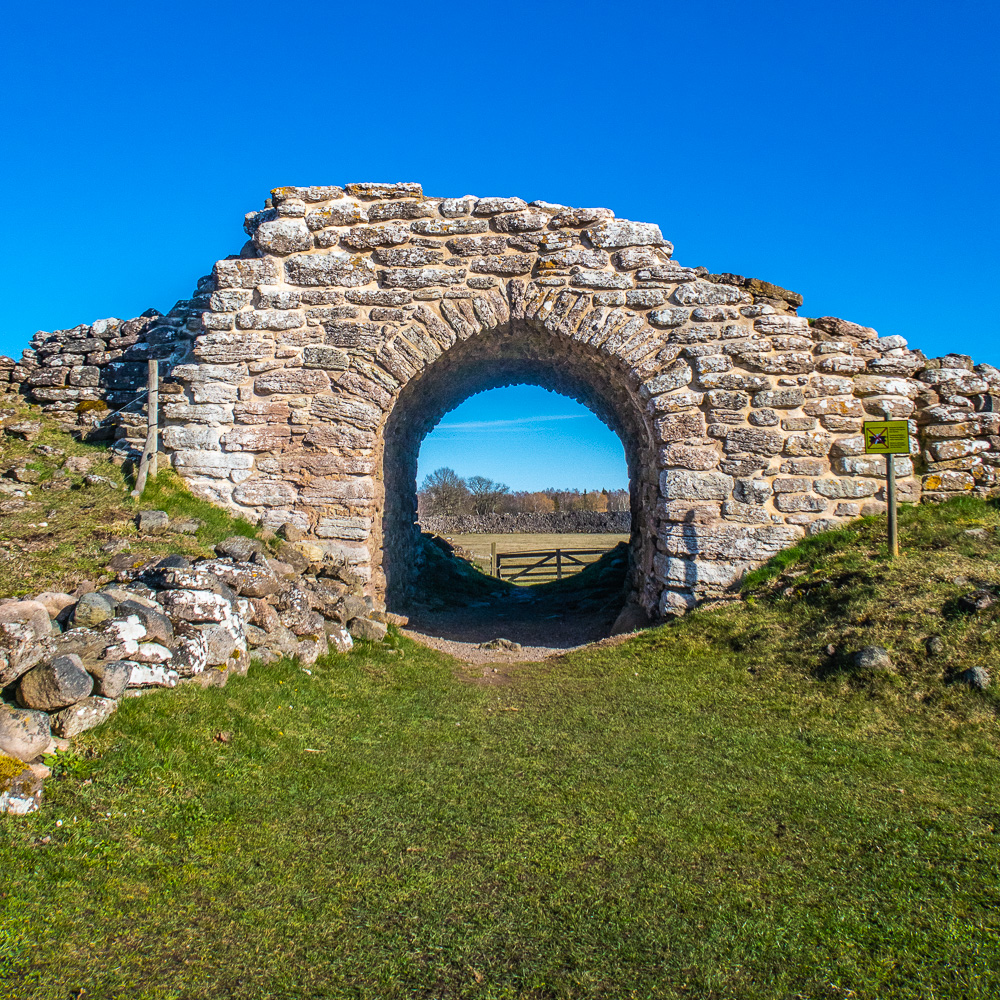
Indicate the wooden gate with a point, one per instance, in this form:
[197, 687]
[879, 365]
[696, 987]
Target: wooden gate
[551, 564]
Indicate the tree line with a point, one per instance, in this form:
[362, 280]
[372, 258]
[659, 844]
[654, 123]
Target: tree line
[445, 492]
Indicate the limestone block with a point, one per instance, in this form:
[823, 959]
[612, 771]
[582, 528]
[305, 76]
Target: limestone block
[494, 206]
[408, 257]
[643, 298]
[678, 485]
[805, 423]
[955, 381]
[831, 385]
[842, 364]
[214, 392]
[814, 443]
[385, 211]
[342, 212]
[871, 465]
[268, 319]
[191, 437]
[325, 491]
[292, 380]
[346, 528]
[679, 426]
[878, 385]
[721, 399]
[615, 233]
[334, 267]
[283, 236]
[421, 277]
[704, 293]
[383, 191]
[842, 407]
[689, 456]
[506, 264]
[800, 502]
[676, 571]
[449, 227]
[199, 413]
[245, 273]
[314, 193]
[213, 464]
[949, 481]
[632, 258]
[328, 358]
[796, 484]
[846, 489]
[520, 222]
[722, 541]
[264, 493]
[256, 437]
[752, 491]
[586, 278]
[753, 440]
[233, 374]
[226, 300]
[222, 348]
[945, 451]
[477, 246]
[896, 366]
[668, 317]
[338, 409]
[763, 418]
[792, 363]
[387, 234]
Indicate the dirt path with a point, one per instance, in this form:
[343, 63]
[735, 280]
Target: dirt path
[542, 628]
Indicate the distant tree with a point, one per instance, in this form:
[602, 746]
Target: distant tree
[618, 500]
[485, 494]
[444, 492]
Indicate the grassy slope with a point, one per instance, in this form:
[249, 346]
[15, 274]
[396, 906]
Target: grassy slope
[714, 809]
[707, 810]
[80, 519]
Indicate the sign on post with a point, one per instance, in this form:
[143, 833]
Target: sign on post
[889, 438]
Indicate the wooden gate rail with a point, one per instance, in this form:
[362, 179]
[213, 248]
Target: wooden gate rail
[547, 563]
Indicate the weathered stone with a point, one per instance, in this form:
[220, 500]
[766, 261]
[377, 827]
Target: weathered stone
[54, 602]
[24, 734]
[34, 614]
[84, 715]
[599, 279]
[872, 658]
[91, 610]
[668, 317]
[613, 233]
[111, 677]
[420, 277]
[450, 227]
[477, 246]
[54, 685]
[516, 263]
[408, 257]
[335, 267]
[675, 485]
[283, 236]
[292, 380]
[366, 628]
[520, 222]
[704, 293]
[196, 605]
[383, 191]
[144, 675]
[494, 206]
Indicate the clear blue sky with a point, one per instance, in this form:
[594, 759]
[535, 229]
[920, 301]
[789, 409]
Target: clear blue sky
[845, 150]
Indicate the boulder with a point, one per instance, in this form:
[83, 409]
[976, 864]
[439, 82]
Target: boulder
[85, 714]
[872, 658]
[158, 626]
[366, 628]
[89, 646]
[247, 579]
[196, 605]
[54, 685]
[240, 548]
[190, 651]
[338, 638]
[111, 677]
[33, 613]
[151, 675]
[152, 521]
[505, 644]
[263, 615]
[92, 609]
[310, 650]
[55, 602]
[24, 733]
[20, 650]
[221, 641]
[976, 677]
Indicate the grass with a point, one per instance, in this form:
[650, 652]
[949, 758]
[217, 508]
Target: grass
[56, 539]
[479, 545]
[706, 810]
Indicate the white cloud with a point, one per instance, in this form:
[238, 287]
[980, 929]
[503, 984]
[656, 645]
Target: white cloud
[497, 425]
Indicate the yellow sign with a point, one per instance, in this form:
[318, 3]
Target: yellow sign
[887, 437]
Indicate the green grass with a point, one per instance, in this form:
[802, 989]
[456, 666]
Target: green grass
[694, 813]
[56, 540]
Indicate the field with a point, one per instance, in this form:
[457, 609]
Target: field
[479, 545]
[724, 808]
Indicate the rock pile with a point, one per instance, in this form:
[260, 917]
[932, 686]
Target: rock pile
[65, 661]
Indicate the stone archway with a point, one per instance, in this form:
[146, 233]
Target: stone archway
[515, 352]
[355, 315]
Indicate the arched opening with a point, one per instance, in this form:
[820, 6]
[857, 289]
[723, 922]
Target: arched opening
[514, 355]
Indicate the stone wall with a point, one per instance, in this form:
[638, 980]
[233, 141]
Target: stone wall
[356, 317]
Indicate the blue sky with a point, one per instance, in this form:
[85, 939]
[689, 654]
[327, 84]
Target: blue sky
[847, 151]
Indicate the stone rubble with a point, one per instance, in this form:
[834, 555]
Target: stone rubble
[66, 662]
[301, 376]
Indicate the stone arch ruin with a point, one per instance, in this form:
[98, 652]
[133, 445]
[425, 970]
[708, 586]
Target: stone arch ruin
[305, 372]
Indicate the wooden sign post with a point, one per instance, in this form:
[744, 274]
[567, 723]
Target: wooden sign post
[889, 438]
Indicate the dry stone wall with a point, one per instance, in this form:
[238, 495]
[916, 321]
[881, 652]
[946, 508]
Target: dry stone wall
[355, 317]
